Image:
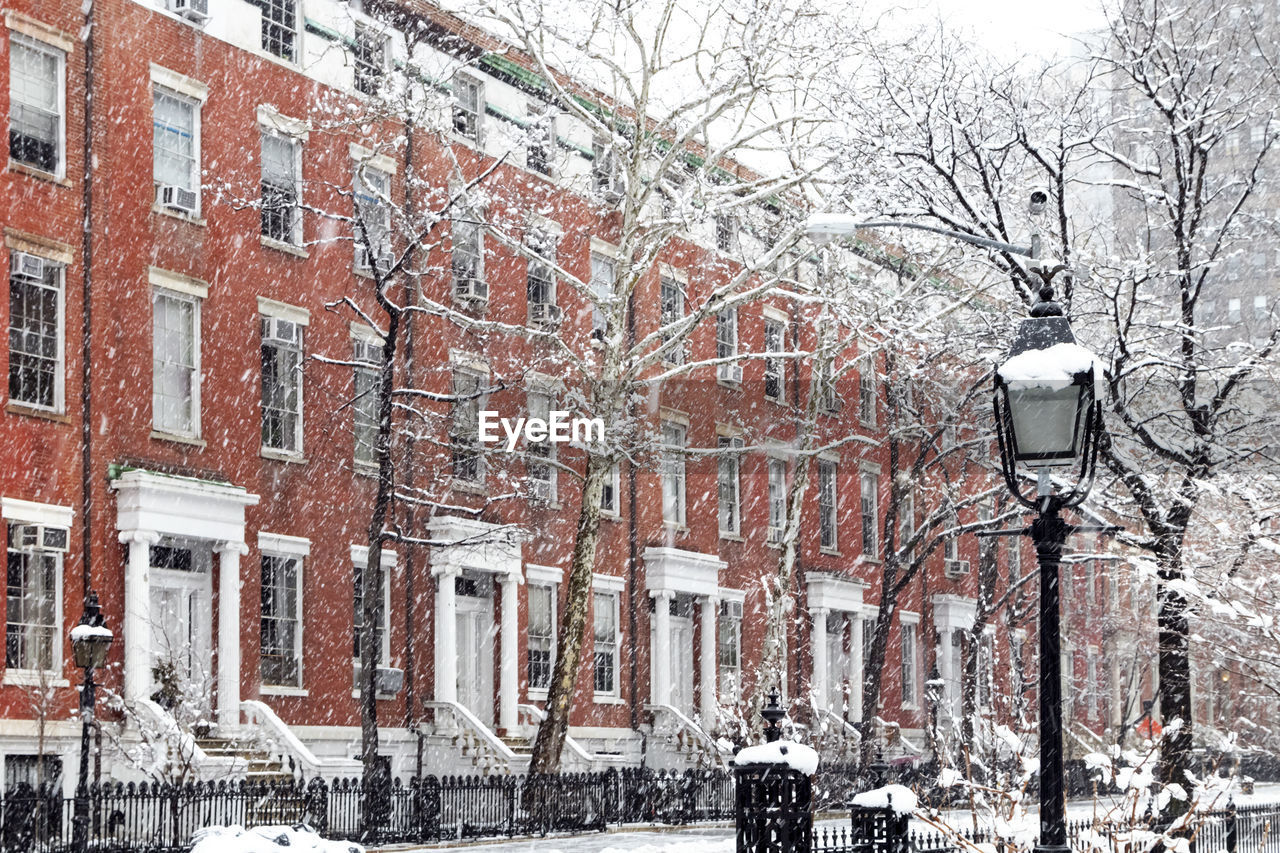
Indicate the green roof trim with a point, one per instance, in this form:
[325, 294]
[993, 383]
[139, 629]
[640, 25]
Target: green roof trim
[116, 470]
[506, 67]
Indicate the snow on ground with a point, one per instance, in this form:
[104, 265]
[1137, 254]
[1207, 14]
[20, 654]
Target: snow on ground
[266, 839]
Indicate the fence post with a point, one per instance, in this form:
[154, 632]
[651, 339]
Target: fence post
[773, 803]
[1231, 827]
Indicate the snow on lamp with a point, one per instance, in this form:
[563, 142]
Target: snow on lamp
[91, 639]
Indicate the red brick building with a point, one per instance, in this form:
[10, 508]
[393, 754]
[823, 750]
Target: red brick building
[211, 461]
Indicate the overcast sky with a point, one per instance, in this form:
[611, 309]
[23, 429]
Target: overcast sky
[1010, 28]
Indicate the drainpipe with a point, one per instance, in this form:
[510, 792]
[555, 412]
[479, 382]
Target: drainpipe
[633, 550]
[410, 650]
[86, 329]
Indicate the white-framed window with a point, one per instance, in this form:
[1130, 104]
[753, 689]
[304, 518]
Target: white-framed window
[986, 662]
[1260, 311]
[176, 154]
[606, 176]
[279, 27]
[604, 277]
[726, 232]
[1015, 558]
[175, 365]
[468, 107]
[907, 528]
[611, 493]
[729, 651]
[867, 397]
[540, 462]
[464, 430]
[827, 504]
[37, 104]
[1233, 310]
[729, 484]
[37, 338]
[367, 400]
[1090, 582]
[372, 189]
[540, 147]
[281, 385]
[542, 635]
[727, 345]
[774, 368]
[869, 494]
[671, 311]
[33, 609]
[604, 607]
[777, 500]
[674, 436]
[359, 562]
[281, 188]
[369, 55]
[540, 275]
[467, 259]
[281, 620]
[825, 387]
[910, 667]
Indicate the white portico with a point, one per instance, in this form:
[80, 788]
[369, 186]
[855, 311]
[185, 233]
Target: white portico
[953, 615]
[471, 557]
[677, 579]
[174, 526]
[835, 606]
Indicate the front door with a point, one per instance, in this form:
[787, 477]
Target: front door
[476, 630]
[181, 628]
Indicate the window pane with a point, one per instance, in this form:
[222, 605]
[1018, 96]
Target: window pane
[174, 140]
[35, 108]
[174, 364]
[31, 606]
[35, 327]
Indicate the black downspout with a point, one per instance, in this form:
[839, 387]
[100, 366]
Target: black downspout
[86, 329]
[633, 547]
[410, 649]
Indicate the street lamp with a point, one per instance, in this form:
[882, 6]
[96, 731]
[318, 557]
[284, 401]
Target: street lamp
[90, 641]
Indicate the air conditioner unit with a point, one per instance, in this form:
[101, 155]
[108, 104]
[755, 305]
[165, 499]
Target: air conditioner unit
[192, 10]
[730, 373]
[283, 331]
[42, 537]
[178, 198]
[26, 265]
[544, 314]
[471, 289]
[388, 681]
[956, 568]
[385, 262]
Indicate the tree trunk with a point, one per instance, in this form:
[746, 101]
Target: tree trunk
[549, 743]
[1175, 679]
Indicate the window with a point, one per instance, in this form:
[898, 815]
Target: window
[909, 674]
[35, 332]
[673, 473]
[542, 454]
[281, 182]
[37, 771]
[281, 385]
[729, 482]
[604, 272]
[542, 635]
[281, 623]
[605, 174]
[32, 620]
[1260, 307]
[827, 504]
[986, 659]
[729, 650]
[774, 368]
[176, 165]
[372, 188]
[1015, 558]
[541, 146]
[468, 107]
[726, 232]
[907, 528]
[727, 345]
[867, 397]
[870, 515]
[1090, 582]
[671, 298]
[1092, 688]
[370, 55]
[279, 27]
[1233, 310]
[777, 499]
[381, 627]
[609, 494]
[825, 387]
[467, 259]
[605, 613]
[36, 109]
[175, 368]
[464, 432]
[368, 399]
[540, 279]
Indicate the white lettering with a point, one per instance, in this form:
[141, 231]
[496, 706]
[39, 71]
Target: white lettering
[559, 427]
[488, 423]
[512, 434]
[536, 429]
[592, 429]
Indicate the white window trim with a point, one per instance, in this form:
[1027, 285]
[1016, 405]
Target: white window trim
[823, 461]
[297, 548]
[278, 310]
[360, 557]
[197, 138]
[27, 512]
[283, 311]
[732, 452]
[40, 31]
[367, 158]
[476, 141]
[682, 499]
[542, 580]
[37, 39]
[614, 586]
[197, 368]
[31, 512]
[615, 478]
[60, 380]
[296, 238]
[906, 618]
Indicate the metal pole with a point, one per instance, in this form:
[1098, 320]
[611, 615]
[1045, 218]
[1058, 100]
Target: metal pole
[1049, 533]
[80, 821]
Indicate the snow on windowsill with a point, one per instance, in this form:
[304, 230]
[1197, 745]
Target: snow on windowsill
[796, 756]
[898, 797]
[266, 839]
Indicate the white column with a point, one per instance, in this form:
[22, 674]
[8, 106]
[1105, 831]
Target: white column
[137, 614]
[229, 554]
[660, 659]
[446, 639]
[508, 655]
[856, 664]
[818, 642]
[707, 660]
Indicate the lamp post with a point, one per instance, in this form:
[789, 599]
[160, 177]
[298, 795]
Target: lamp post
[90, 641]
[1047, 415]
